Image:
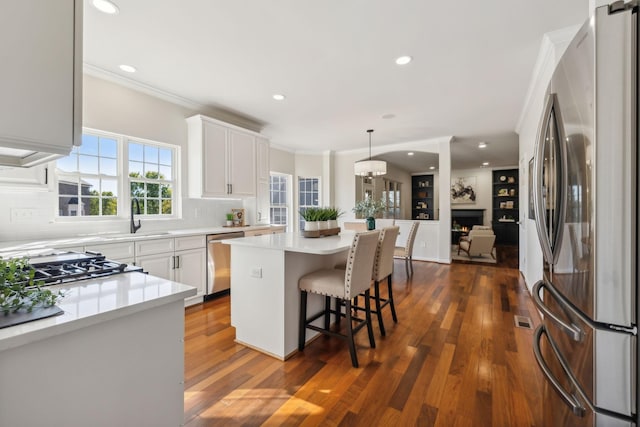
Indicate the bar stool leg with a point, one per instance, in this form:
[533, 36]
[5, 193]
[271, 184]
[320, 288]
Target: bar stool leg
[376, 290]
[367, 309]
[327, 312]
[352, 344]
[391, 303]
[302, 325]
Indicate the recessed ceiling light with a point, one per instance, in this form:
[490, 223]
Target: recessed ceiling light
[432, 167]
[410, 153]
[128, 68]
[106, 6]
[482, 145]
[389, 116]
[403, 60]
[485, 164]
[279, 97]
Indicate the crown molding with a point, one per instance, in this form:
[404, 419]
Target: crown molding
[216, 113]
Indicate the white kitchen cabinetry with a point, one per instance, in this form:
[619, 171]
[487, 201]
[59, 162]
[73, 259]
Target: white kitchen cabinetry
[266, 230]
[119, 251]
[41, 86]
[263, 195]
[221, 158]
[181, 259]
[24, 179]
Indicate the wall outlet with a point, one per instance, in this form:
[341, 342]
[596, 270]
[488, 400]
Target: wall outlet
[23, 214]
[256, 272]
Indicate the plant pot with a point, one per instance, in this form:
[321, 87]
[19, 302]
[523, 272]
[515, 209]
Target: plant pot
[332, 223]
[371, 223]
[229, 223]
[310, 225]
[323, 225]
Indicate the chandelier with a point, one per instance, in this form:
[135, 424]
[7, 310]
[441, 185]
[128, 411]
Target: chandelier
[370, 167]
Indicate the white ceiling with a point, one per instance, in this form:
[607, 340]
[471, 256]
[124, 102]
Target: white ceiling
[334, 60]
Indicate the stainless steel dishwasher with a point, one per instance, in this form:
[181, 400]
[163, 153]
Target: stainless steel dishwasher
[219, 262]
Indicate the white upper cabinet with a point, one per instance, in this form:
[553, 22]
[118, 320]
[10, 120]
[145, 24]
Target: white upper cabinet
[222, 159]
[41, 85]
[263, 159]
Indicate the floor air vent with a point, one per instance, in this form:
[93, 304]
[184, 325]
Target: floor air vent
[522, 322]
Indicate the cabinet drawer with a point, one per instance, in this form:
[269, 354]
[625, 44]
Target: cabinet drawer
[190, 242]
[154, 246]
[112, 251]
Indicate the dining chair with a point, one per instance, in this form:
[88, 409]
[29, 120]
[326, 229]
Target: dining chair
[384, 223]
[406, 251]
[343, 286]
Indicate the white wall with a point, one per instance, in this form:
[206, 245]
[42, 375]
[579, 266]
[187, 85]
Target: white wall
[551, 49]
[282, 161]
[114, 108]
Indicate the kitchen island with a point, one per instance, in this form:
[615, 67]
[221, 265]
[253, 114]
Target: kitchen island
[265, 299]
[115, 357]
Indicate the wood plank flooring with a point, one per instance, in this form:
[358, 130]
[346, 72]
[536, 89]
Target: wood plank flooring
[455, 358]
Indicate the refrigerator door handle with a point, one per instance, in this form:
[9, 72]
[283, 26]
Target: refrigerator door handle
[538, 165]
[571, 400]
[572, 330]
[561, 182]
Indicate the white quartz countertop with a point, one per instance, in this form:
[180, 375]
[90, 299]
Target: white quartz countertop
[295, 242]
[94, 301]
[34, 247]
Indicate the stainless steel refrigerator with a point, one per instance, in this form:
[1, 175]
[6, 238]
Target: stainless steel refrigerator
[585, 184]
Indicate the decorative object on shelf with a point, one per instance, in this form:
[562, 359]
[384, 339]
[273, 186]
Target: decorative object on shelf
[512, 192]
[503, 205]
[368, 209]
[370, 167]
[511, 180]
[509, 204]
[463, 190]
[229, 219]
[503, 178]
[238, 217]
[503, 192]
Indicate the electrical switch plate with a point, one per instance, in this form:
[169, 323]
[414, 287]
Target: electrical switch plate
[256, 272]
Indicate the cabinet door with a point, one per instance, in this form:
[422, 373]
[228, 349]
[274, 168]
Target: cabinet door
[192, 268]
[242, 163]
[263, 203]
[159, 265]
[154, 246]
[215, 167]
[41, 80]
[262, 146]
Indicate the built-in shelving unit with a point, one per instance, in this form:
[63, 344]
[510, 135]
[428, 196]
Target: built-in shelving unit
[422, 190]
[505, 206]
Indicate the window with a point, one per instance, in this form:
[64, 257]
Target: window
[391, 196]
[88, 178]
[308, 195]
[279, 199]
[102, 176]
[150, 178]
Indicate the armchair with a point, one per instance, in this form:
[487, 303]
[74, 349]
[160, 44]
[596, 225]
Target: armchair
[479, 241]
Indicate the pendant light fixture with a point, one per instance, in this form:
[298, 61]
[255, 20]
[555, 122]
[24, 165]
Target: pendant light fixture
[370, 167]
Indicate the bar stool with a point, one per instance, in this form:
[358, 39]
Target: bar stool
[343, 286]
[382, 269]
[406, 251]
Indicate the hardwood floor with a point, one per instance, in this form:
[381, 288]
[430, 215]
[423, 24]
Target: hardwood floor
[455, 358]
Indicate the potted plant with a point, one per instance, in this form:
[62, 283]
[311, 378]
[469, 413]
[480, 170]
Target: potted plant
[229, 219]
[20, 291]
[333, 213]
[310, 216]
[368, 209]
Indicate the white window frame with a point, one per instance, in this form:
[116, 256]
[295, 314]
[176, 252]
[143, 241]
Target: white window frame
[300, 220]
[288, 195]
[124, 196]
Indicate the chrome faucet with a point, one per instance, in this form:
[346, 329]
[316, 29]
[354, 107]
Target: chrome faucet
[134, 226]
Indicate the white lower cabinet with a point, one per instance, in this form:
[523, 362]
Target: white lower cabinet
[181, 259]
[119, 251]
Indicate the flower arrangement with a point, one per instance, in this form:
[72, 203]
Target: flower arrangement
[369, 207]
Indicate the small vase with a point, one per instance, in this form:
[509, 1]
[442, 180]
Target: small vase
[323, 225]
[371, 223]
[229, 223]
[332, 223]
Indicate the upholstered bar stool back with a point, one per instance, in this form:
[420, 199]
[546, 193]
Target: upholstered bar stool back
[406, 251]
[383, 269]
[342, 285]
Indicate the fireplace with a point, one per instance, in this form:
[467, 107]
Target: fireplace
[465, 219]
